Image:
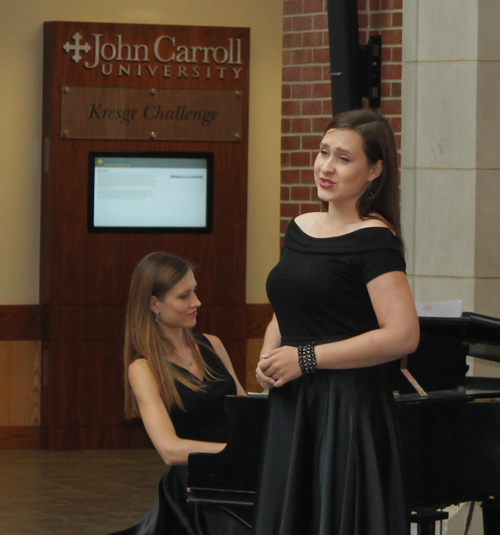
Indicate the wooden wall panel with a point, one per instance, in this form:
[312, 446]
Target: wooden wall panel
[85, 277]
[20, 437]
[95, 437]
[257, 318]
[95, 329]
[20, 383]
[20, 322]
[82, 268]
[83, 383]
[84, 322]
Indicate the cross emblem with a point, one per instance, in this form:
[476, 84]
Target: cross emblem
[77, 47]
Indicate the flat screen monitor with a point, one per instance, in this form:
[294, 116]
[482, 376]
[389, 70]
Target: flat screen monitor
[150, 192]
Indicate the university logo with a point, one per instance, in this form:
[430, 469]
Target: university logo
[76, 47]
[125, 59]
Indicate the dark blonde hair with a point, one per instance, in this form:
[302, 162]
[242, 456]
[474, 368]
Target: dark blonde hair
[382, 201]
[155, 275]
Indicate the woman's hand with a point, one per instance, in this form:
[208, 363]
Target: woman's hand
[278, 367]
[264, 381]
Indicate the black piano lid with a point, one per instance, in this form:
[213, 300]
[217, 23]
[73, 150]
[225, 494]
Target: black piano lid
[470, 328]
[480, 332]
[439, 363]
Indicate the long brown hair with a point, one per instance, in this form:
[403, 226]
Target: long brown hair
[156, 274]
[382, 200]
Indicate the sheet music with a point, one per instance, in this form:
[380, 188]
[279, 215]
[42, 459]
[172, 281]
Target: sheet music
[439, 309]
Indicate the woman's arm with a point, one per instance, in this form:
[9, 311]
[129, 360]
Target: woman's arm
[272, 337]
[272, 340]
[222, 353]
[172, 449]
[397, 335]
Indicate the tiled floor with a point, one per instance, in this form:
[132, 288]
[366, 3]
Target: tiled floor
[75, 492]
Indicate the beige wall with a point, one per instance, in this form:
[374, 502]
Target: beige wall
[450, 154]
[451, 161]
[20, 112]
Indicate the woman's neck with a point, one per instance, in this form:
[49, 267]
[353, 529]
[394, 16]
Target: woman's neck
[182, 354]
[341, 219]
[174, 336]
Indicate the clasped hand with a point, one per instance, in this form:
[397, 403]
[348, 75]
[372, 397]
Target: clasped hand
[278, 367]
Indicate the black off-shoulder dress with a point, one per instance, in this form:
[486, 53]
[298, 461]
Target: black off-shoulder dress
[332, 463]
[204, 419]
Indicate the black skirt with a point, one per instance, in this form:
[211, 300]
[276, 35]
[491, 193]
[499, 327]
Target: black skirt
[332, 463]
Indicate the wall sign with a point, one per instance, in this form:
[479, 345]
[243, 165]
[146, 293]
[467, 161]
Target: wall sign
[149, 82]
[139, 113]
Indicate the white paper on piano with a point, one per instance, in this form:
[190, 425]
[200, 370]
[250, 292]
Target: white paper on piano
[440, 309]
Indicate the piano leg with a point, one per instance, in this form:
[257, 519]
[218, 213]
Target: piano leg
[491, 516]
[426, 520]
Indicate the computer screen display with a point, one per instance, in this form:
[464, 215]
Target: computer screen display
[150, 192]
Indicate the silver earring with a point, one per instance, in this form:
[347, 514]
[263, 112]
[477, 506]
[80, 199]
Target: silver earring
[370, 190]
[157, 317]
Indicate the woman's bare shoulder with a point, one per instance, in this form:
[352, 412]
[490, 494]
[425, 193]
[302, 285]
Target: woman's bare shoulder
[140, 368]
[142, 379]
[216, 344]
[308, 220]
[310, 216]
[372, 222]
[219, 348]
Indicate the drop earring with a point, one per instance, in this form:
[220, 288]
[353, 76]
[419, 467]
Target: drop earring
[157, 317]
[370, 190]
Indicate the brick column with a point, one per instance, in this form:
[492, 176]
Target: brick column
[306, 93]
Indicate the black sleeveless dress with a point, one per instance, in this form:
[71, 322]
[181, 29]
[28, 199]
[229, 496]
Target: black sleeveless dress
[332, 462]
[204, 419]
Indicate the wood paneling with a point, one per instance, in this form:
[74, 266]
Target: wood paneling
[257, 316]
[83, 322]
[20, 383]
[94, 437]
[20, 322]
[97, 330]
[85, 277]
[20, 437]
[82, 268]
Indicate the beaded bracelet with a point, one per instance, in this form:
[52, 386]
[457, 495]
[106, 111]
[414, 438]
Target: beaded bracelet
[307, 359]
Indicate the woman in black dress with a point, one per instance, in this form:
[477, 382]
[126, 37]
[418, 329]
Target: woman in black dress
[176, 382]
[343, 308]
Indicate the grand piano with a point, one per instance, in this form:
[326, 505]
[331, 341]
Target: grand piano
[450, 430]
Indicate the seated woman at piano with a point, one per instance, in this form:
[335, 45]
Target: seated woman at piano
[176, 382]
[343, 308]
